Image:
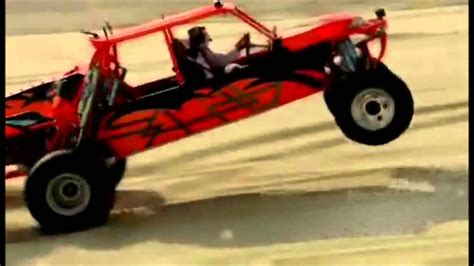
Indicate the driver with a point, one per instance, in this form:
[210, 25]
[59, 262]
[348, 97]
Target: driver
[211, 61]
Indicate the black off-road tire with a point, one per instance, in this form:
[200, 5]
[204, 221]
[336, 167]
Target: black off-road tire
[330, 98]
[343, 93]
[61, 165]
[116, 171]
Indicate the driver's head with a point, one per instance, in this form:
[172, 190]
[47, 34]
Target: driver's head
[198, 37]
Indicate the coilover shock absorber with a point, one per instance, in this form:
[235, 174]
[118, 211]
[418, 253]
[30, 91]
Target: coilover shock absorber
[347, 56]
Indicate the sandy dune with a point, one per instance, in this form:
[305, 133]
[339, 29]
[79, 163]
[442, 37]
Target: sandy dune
[52, 16]
[293, 192]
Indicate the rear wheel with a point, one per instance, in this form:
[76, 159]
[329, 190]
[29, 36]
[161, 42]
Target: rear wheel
[116, 171]
[373, 107]
[114, 168]
[66, 191]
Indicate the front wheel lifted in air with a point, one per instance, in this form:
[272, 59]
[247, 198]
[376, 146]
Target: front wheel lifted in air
[371, 107]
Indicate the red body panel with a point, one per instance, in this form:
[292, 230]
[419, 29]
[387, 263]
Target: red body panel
[12, 132]
[21, 105]
[31, 99]
[333, 28]
[144, 129]
[38, 98]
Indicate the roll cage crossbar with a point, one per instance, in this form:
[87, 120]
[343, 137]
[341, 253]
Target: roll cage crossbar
[103, 45]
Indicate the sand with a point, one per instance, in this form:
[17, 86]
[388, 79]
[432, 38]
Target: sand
[284, 187]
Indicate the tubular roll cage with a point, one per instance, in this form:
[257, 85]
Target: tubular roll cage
[106, 47]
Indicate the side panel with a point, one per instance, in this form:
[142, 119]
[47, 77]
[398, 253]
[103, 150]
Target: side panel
[40, 98]
[36, 99]
[143, 129]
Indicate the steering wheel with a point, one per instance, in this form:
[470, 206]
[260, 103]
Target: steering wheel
[249, 45]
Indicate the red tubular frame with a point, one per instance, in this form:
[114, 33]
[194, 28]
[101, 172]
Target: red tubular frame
[168, 39]
[165, 25]
[253, 23]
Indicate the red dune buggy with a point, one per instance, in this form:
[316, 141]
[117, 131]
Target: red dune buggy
[73, 134]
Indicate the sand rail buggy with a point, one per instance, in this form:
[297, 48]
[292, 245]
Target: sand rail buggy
[74, 133]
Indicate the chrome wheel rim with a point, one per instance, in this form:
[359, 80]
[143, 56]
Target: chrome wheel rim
[373, 109]
[68, 194]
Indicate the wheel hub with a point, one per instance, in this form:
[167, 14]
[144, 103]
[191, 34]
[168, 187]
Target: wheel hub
[70, 190]
[373, 109]
[68, 194]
